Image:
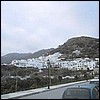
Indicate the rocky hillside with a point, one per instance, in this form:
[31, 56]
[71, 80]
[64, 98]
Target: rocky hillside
[85, 46]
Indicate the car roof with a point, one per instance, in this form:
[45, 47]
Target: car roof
[89, 86]
[94, 80]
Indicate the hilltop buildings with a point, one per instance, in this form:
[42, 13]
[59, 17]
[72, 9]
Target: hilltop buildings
[56, 61]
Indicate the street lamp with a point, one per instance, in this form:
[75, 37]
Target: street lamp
[48, 64]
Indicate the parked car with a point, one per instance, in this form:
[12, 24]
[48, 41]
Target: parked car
[95, 81]
[86, 91]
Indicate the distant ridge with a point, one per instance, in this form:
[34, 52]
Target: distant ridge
[18, 56]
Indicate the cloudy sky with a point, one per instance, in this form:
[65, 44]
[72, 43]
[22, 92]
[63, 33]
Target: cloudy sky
[29, 26]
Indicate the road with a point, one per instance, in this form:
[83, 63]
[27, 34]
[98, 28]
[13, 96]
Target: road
[52, 94]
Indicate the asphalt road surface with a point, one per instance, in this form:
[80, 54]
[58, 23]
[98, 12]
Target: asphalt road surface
[51, 94]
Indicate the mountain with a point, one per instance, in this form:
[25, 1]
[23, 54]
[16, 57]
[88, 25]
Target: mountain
[11, 56]
[18, 56]
[75, 47]
[87, 46]
[39, 53]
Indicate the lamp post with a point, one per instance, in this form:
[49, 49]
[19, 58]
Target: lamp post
[48, 64]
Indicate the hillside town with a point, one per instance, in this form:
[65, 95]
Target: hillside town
[57, 61]
[55, 66]
[73, 61]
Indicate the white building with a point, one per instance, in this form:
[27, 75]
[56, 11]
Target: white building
[76, 64]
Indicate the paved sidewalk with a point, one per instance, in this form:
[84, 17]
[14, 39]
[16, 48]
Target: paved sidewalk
[34, 91]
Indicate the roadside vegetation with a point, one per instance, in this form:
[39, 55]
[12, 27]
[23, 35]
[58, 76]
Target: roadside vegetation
[38, 78]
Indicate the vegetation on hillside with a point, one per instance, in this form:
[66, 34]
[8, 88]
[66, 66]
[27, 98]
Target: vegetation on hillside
[36, 79]
[88, 47]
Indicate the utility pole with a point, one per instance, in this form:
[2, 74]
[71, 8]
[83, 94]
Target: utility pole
[16, 80]
[48, 64]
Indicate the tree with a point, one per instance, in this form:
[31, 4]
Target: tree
[76, 77]
[37, 81]
[88, 69]
[85, 75]
[59, 78]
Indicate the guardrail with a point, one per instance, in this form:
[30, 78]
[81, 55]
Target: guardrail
[35, 91]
